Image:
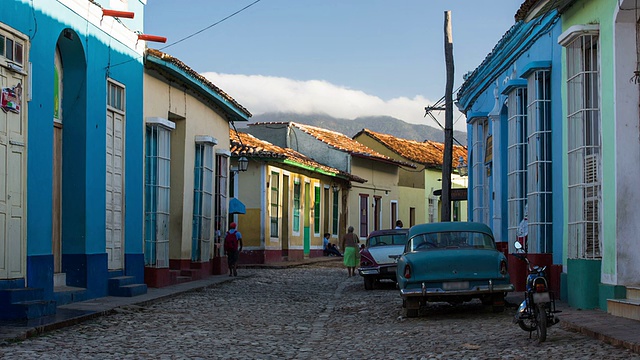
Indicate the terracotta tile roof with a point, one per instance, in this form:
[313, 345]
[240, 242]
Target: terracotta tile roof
[166, 57]
[428, 153]
[243, 144]
[529, 6]
[342, 142]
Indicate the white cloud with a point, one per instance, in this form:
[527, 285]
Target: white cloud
[262, 94]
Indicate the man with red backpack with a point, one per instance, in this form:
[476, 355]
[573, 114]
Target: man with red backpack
[232, 247]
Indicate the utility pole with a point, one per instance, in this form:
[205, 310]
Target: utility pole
[448, 123]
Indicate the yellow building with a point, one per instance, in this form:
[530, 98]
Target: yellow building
[419, 189]
[290, 201]
[370, 205]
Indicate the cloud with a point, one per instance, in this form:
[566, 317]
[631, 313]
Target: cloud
[262, 94]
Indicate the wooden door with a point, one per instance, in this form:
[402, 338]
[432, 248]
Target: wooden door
[56, 231]
[12, 176]
[114, 224]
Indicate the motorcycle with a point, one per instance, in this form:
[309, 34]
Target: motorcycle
[536, 312]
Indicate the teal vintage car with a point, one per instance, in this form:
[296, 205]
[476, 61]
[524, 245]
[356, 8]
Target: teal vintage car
[451, 262]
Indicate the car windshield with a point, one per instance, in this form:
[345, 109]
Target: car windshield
[387, 239]
[451, 240]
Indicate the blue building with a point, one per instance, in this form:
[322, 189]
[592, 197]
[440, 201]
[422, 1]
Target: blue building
[514, 121]
[71, 191]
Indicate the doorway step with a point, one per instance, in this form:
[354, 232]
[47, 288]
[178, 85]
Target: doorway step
[19, 302]
[629, 307]
[125, 286]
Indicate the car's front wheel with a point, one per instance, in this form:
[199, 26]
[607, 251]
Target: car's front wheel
[369, 282]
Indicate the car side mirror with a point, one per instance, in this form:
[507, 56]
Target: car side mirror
[395, 257]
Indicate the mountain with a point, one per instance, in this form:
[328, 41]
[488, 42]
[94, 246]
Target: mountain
[381, 124]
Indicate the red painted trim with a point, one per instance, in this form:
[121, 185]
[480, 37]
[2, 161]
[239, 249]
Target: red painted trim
[118, 13]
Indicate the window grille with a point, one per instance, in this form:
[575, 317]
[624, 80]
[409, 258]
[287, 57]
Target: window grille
[275, 197]
[584, 153]
[157, 185]
[335, 215]
[539, 179]
[480, 192]
[516, 160]
[202, 202]
[296, 206]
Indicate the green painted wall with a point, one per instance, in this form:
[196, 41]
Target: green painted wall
[583, 277]
[597, 12]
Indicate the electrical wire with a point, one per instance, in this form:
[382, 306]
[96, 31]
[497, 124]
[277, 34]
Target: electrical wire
[212, 25]
[195, 33]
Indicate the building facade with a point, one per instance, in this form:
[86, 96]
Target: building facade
[187, 121]
[291, 201]
[72, 208]
[514, 120]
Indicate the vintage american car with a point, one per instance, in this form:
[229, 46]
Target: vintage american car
[375, 263]
[451, 262]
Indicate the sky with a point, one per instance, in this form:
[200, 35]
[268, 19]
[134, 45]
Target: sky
[345, 58]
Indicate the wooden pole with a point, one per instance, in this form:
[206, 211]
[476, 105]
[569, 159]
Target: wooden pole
[448, 123]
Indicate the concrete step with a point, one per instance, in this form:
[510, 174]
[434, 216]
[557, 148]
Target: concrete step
[30, 309]
[11, 296]
[69, 294]
[633, 292]
[130, 290]
[627, 308]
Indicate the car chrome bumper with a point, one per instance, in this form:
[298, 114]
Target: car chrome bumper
[380, 270]
[474, 290]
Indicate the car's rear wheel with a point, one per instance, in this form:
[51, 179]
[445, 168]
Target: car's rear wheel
[410, 307]
[498, 304]
[369, 282]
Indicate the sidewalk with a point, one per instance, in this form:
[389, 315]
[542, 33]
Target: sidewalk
[614, 330]
[597, 324]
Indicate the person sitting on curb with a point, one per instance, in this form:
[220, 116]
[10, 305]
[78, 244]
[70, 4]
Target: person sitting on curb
[329, 249]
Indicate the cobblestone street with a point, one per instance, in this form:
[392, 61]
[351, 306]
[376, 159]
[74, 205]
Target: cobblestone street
[309, 312]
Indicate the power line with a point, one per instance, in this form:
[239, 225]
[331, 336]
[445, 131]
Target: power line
[212, 25]
[194, 34]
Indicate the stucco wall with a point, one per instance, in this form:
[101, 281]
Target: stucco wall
[601, 12]
[192, 118]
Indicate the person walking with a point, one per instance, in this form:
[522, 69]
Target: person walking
[233, 247]
[349, 244]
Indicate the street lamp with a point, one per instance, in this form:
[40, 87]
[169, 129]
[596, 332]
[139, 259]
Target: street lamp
[463, 169]
[243, 163]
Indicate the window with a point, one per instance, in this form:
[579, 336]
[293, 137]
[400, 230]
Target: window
[539, 191]
[480, 191]
[584, 153]
[516, 159]
[433, 214]
[364, 215]
[157, 191]
[275, 196]
[296, 205]
[115, 96]
[394, 213]
[335, 212]
[11, 48]
[316, 210]
[221, 200]
[202, 201]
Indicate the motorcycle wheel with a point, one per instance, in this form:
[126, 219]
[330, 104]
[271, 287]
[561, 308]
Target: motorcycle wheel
[526, 325]
[541, 319]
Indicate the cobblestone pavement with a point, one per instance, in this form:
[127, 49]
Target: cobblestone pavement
[309, 312]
